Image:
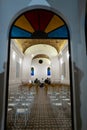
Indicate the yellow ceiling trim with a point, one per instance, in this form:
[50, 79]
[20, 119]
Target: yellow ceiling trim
[54, 23]
[23, 23]
[19, 45]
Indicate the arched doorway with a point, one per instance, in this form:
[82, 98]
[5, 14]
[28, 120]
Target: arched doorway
[39, 36]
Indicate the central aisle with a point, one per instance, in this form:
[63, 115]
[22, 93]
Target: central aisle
[44, 114]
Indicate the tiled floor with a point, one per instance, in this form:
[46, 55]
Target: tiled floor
[47, 113]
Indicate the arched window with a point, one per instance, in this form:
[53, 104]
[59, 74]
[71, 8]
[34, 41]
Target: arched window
[36, 27]
[38, 24]
[32, 71]
[48, 71]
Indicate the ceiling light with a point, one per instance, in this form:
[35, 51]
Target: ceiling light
[61, 60]
[67, 54]
[20, 60]
[13, 55]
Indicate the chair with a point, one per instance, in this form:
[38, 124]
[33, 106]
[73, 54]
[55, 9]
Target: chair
[22, 108]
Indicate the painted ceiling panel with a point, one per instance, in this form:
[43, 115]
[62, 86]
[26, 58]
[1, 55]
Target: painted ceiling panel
[59, 33]
[32, 17]
[54, 23]
[17, 32]
[23, 23]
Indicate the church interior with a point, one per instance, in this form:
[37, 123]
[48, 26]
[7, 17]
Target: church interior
[43, 65]
[39, 86]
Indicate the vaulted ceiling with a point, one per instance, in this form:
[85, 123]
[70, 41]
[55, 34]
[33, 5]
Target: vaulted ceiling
[24, 44]
[39, 27]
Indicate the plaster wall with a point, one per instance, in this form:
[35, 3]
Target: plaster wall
[16, 60]
[26, 69]
[64, 71]
[40, 70]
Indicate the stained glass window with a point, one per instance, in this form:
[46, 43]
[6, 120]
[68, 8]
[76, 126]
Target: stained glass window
[48, 71]
[32, 71]
[39, 23]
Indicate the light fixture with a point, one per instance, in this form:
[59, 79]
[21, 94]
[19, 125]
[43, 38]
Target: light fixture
[20, 60]
[61, 60]
[13, 55]
[67, 54]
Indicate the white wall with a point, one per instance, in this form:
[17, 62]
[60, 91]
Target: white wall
[26, 68]
[16, 57]
[40, 69]
[63, 57]
[55, 69]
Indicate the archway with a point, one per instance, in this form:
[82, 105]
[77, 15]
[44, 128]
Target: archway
[44, 34]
